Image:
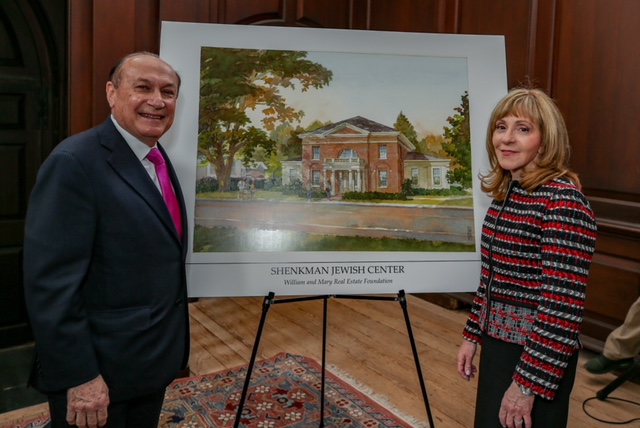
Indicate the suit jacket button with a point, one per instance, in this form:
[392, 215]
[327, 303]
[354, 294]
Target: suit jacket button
[179, 302]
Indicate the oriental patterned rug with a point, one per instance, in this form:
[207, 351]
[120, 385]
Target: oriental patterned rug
[284, 392]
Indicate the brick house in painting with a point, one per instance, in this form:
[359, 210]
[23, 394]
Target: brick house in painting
[361, 155]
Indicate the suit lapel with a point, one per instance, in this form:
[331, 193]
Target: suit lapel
[128, 167]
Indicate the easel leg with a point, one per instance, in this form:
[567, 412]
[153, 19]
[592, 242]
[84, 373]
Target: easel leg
[324, 358]
[269, 300]
[265, 308]
[403, 302]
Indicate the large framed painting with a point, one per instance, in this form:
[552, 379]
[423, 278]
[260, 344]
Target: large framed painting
[318, 161]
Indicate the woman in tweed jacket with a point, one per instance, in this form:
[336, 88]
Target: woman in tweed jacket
[538, 239]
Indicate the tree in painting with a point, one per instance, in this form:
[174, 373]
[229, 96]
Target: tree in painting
[458, 144]
[232, 81]
[406, 127]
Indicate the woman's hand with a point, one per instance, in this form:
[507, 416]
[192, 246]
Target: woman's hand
[515, 410]
[467, 351]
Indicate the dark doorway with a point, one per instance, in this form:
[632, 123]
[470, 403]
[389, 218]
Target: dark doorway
[32, 120]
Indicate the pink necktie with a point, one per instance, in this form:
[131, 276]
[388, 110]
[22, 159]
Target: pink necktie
[167, 190]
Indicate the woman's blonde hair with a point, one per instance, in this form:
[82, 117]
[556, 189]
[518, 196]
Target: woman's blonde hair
[553, 159]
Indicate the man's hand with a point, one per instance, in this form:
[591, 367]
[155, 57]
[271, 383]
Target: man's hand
[87, 404]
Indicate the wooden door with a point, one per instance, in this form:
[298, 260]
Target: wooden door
[30, 88]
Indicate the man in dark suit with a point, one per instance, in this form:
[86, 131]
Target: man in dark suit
[105, 280]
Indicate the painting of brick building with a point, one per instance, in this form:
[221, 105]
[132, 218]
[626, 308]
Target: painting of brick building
[361, 155]
[366, 112]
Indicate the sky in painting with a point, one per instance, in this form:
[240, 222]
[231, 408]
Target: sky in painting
[378, 87]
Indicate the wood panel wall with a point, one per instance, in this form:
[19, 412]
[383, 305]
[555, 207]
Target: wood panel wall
[582, 53]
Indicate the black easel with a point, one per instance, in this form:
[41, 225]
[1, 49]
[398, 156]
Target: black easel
[622, 378]
[270, 300]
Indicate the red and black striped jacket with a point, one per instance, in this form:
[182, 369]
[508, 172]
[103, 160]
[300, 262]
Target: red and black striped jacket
[536, 252]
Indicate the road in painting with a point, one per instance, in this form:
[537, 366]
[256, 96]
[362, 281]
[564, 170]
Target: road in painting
[269, 224]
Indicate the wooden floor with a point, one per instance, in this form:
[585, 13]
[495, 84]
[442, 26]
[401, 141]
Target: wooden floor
[368, 340]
